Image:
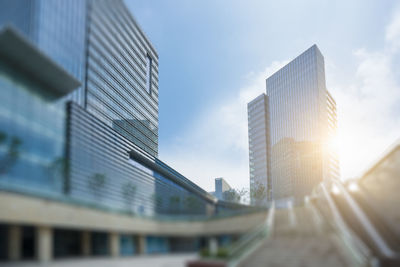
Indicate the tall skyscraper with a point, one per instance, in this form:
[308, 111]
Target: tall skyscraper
[258, 121]
[101, 45]
[302, 122]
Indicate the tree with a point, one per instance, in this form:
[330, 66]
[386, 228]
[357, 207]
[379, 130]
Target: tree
[158, 203]
[12, 154]
[58, 171]
[128, 193]
[231, 195]
[259, 194]
[157, 200]
[236, 195]
[174, 202]
[244, 194]
[96, 184]
[192, 203]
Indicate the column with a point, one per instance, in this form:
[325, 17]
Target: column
[14, 242]
[114, 244]
[141, 248]
[86, 244]
[213, 246]
[44, 243]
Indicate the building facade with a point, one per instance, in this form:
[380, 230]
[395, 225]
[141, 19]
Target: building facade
[302, 122]
[32, 117]
[102, 46]
[258, 122]
[332, 157]
[122, 74]
[57, 28]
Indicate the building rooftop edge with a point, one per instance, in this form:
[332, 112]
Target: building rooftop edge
[256, 98]
[314, 46]
[141, 31]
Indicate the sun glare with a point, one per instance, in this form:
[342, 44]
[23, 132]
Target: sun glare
[335, 190]
[333, 144]
[353, 187]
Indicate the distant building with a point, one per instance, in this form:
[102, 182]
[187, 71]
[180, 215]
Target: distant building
[221, 186]
[224, 191]
[258, 125]
[303, 122]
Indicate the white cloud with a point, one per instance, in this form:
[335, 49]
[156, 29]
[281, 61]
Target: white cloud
[216, 144]
[392, 35]
[368, 108]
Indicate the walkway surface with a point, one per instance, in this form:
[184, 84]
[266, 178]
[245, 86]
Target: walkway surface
[172, 260]
[299, 238]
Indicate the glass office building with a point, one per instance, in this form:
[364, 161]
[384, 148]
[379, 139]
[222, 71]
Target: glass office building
[32, 117]
[122, 74]
[332, 157]
[56, 28]
[258, 121]
[101, 45]
[302, 122]
[97, 144]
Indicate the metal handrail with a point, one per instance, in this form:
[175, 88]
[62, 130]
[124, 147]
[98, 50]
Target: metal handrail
[369, 228]
[237, 251]
[355, 244]
[316, 217]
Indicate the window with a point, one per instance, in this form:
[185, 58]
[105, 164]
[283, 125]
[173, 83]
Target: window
[148, 73]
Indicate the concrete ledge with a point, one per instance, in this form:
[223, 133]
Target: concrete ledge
[21, 209]
[19, 51]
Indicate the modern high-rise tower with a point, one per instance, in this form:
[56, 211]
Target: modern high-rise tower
[302, 124]
[258, 121]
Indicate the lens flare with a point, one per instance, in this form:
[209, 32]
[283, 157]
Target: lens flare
[353, 187]
[335, 190]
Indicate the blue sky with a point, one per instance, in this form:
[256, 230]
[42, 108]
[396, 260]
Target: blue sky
[215, 56]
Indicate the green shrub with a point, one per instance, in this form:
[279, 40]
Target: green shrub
[222, 253]
[205, 252]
